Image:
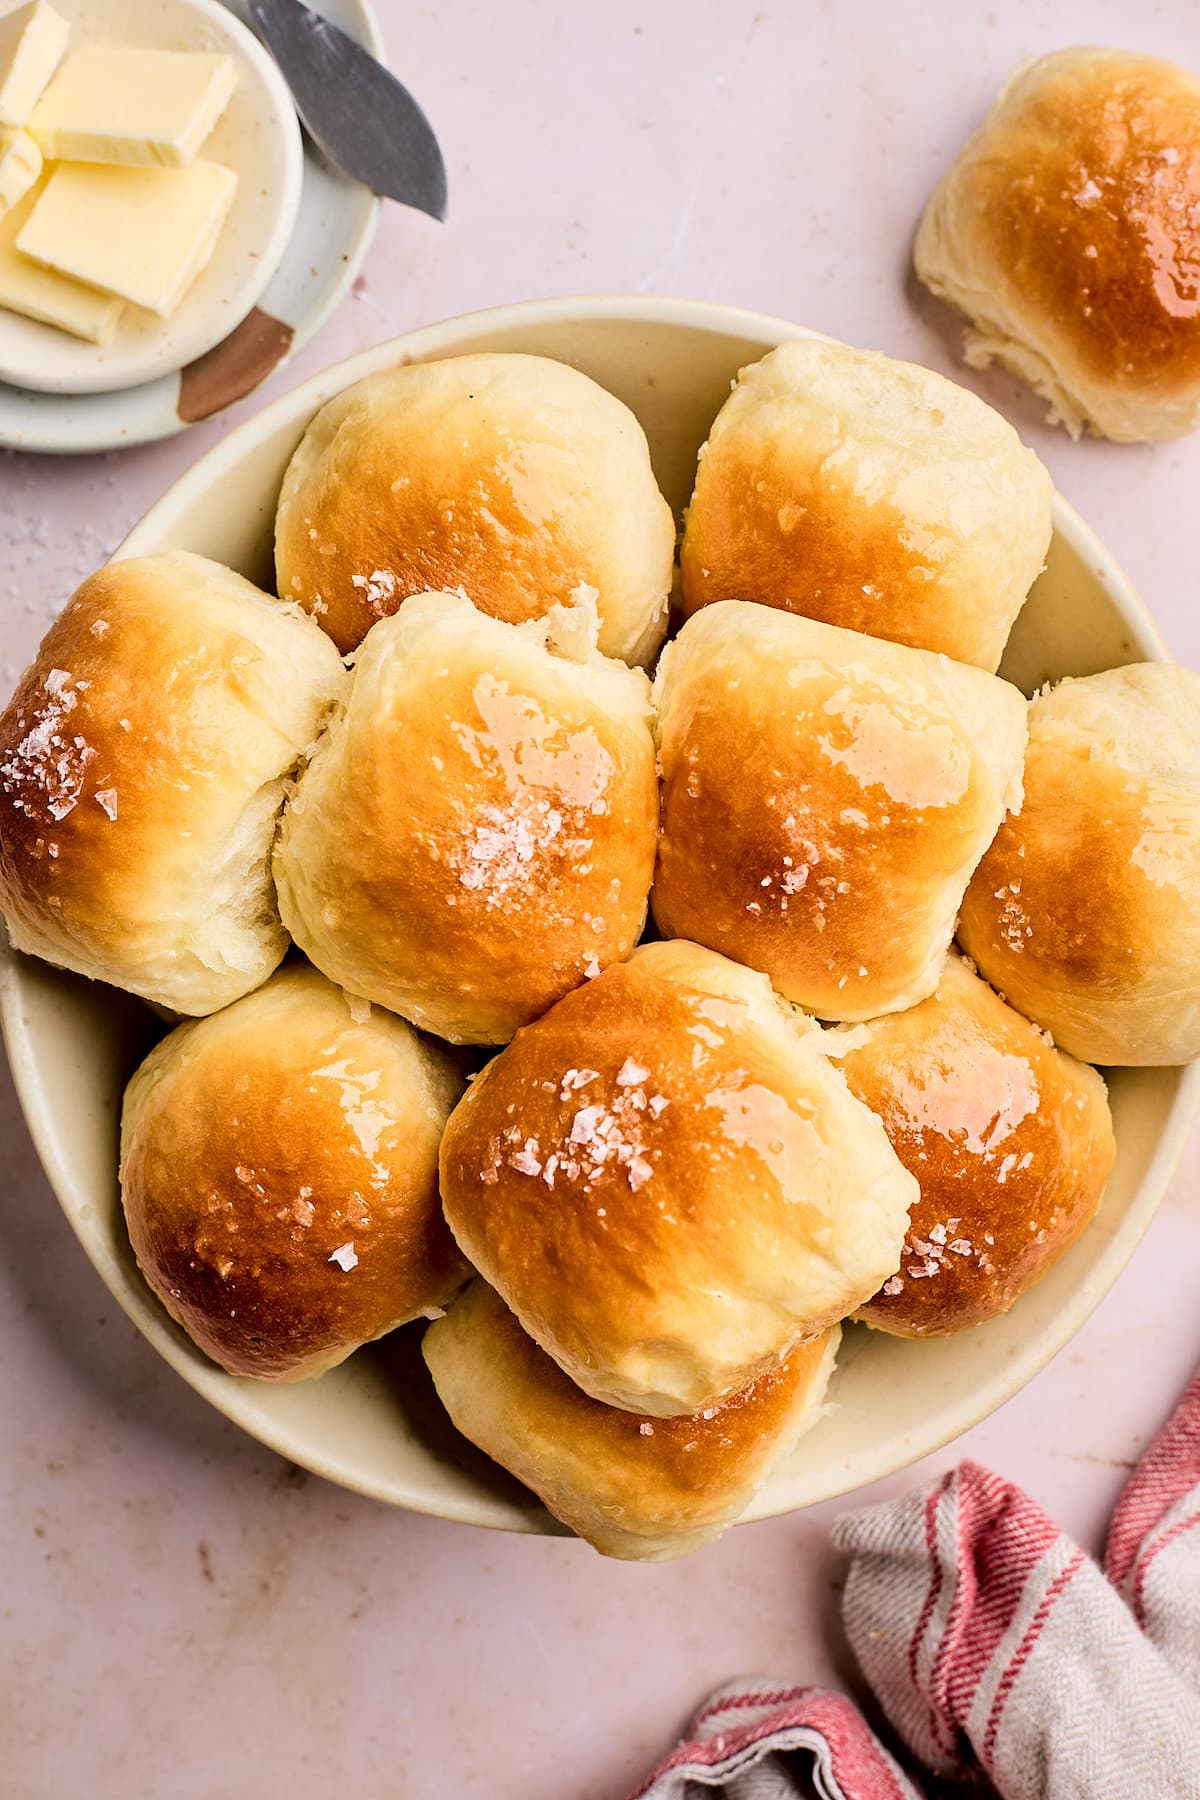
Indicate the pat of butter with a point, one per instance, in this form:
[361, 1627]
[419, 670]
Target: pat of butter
[32, 40]
[142, 107]
[41, 294]
[144, 234]
[20, 166]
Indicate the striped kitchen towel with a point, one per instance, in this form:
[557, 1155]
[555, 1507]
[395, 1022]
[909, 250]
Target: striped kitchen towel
[1000, 1653]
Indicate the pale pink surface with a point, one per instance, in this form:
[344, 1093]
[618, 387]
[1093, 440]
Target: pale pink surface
[184, 1614]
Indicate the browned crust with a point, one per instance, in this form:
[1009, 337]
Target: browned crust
[1070, 898]
[141, 760]
[668, 1184]
[268, 1137]
[482, 825]
[1085, 192]
[774, 523]
[610, 1474]
[814, 797]
[62, 742]
[869, 494]
[1010, 1140]
[512, 477]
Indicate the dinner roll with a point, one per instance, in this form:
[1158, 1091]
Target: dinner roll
[825, 799]
[279, 1177]
[514, 477]
[870, 494]
[475, 833]
[669, 1183]
[635, 1487]
[1068, 231]
[1010, 1140]
[1085, 912]
[142, 766]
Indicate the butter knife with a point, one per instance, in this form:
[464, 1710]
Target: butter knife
[357, 113]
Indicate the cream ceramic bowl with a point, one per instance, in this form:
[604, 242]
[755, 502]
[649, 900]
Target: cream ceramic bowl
[374, 1424]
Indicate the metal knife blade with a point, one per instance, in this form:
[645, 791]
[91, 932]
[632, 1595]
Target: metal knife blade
[357, 112]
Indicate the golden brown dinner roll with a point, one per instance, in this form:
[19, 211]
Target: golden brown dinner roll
[475, 833]
[669, 1183]
[1068, 231]
[514, 477]
[825, 798]
[641, 1488]
[142, 766]
[279, 1177]
[1010, 1140]
[1085, 912]
[871, 494]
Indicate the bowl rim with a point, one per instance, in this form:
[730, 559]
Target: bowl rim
[238, 1402]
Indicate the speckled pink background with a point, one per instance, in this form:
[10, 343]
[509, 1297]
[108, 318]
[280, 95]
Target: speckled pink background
[186, 1616]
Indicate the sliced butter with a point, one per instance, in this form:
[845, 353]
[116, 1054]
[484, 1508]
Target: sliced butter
[143, 234]
[20, 166]
[141, 107]
[41, 294]
[32, 40]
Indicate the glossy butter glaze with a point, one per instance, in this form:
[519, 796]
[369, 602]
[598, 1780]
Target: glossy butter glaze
[1010, 1140]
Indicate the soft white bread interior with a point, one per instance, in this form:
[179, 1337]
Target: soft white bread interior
[669, 1183]
[826, 796]
[1085, 911]
[871, 494]
[640, 1488]
[514, 477]
[475, 833]
[1010, 1140]
[1065, 230]
[279, 1176]
[142, 767]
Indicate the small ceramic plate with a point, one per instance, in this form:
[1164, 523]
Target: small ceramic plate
[329, 237]
[258, 137]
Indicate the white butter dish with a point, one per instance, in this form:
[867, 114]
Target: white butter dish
[257, 137]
